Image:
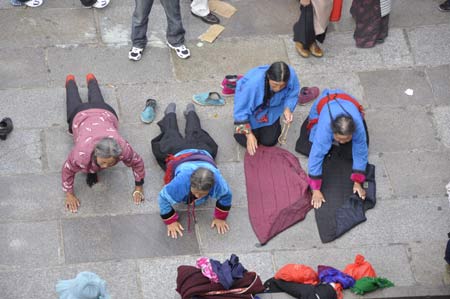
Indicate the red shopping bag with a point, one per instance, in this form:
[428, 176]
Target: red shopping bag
[360, 268]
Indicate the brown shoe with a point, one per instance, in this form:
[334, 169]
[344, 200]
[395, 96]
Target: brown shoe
[302, 51]
[316, 50]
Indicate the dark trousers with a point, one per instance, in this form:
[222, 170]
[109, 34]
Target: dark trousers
[447, 251]
[170, 141]
[303, 145]
[75, 105]
[267, 135]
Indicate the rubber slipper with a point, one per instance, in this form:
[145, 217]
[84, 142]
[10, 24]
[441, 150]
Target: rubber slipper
[208, 99]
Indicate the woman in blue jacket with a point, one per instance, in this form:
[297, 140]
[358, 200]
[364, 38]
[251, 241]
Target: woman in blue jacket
[262, 96]
[335, 120]
[191, 175]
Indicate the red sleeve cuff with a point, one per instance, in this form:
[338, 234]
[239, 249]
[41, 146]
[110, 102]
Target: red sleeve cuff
[220, 214]
[315, 184]
[171, 219]
[358, 177]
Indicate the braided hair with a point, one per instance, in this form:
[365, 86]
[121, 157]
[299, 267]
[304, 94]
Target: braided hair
[279, 72]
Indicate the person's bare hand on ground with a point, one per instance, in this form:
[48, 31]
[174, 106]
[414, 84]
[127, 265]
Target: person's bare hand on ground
[174, 229]
[72, 203]
[221, 225]
[252, 144]
[317, 199]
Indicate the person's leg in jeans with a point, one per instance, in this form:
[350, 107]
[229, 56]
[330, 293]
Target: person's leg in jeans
[175, 31]
[139, 23]
[73, 99]
[195, 135]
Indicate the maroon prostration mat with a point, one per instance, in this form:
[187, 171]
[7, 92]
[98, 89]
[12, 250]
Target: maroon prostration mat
[277, 191]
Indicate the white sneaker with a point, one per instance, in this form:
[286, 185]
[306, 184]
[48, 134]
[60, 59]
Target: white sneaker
[181, 51]
[34, 3]
[101, 3]
[135, 53]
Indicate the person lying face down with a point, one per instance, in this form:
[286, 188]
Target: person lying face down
[191, 175]
[97, 142]
[335, 119]
[262, 96]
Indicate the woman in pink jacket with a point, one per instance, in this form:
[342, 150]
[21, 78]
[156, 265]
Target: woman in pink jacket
[98, 145]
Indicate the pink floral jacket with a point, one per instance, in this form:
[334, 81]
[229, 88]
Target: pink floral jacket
[89, 127]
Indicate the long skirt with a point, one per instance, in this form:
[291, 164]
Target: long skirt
[371, 26]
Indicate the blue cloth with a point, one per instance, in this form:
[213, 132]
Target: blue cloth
[250, 94]
[178, 189]
[86, 285]
[228, 271]
[329, 274]
[321, 135]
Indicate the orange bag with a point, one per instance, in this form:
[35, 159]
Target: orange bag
[360, 268]
[337, 10]
[297, 273]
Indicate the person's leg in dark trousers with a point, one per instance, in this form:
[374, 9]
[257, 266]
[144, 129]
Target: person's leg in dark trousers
[139, 23]
[268, 135]
[169, 141]
[175, 31]
[94, 93]
[73, 100]
[197, 137]
[303, 145]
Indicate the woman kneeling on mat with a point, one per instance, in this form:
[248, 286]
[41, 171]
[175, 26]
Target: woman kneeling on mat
[262, 96]
[336, 121]
[98, 145]
[191, 175]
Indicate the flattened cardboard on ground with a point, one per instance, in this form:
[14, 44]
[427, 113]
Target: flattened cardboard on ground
[221, 8]
[212, 33]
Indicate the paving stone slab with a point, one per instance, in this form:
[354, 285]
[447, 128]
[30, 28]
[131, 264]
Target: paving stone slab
[418, 173]
[120, 276]
[427, 46]
[21, 152]
[20, 68]
[145, 236]
[348, 82]
[384, 186]
[46, 27]
[400, 221]
[390, 261]
[302, 235]
[440, 83]
[31, 244]
[386, 88]
[132, 100]
[341, 55]
[47, 106]
[427, 261]
[441, 116]
[401, 129]
[110, 65]
[215, 61]
[87, 239]
[415, 13]
[40, 199]
[112, 195]
[273, 18]
[158, 276]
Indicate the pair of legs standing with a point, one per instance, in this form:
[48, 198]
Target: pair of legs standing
[73, 99]
[170, 140]
[174, 34]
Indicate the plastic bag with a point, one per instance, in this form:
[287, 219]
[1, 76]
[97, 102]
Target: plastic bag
[360, 268]
[297, 273]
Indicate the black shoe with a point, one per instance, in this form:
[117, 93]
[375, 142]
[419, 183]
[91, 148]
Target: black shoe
[209, 18]
[445, 6]
[6, 126]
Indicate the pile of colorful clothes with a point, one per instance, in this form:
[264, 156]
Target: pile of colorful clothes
[212, 279]
[301, 281]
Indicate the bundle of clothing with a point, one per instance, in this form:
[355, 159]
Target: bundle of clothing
[212, 279]
[301, 281]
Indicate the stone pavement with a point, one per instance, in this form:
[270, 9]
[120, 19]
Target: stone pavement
[404, 237]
